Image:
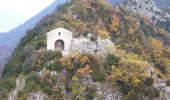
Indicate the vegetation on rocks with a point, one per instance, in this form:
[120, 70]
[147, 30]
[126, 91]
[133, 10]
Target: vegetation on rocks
[138, 45]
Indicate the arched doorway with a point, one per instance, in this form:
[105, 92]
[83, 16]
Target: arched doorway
[59, 45]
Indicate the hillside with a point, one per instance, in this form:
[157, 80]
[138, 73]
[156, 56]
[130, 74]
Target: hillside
[9, 40]
[135, 70]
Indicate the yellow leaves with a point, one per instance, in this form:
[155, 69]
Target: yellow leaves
[74, 78]
[85, 70]
[155, 42]
[121, 74]
[133, 24]
[132, 56]
[115, 24]
[166, 62]
[163, 32]
[132, 62]
[136, 44]
[77, 24]
[101, 30]
[99, 25]
[118, 51]
[47, 73]
[135, 81]
[117, 73]
[76, 87]
[84, 60]
[128, 18]
[66, 62]
[131, 31]
[104, 34]
[131, 68]
[157, 47]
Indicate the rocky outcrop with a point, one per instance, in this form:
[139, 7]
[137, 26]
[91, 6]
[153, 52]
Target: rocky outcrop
[20, 83]
[85, 45]
[42, 72]
[146, 8]
[36, 96]
[161, 86]
[107, 92]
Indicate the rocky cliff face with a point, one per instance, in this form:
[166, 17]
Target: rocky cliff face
[147, 8]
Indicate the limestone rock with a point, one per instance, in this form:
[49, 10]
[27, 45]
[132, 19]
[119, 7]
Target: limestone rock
[145, 7]
[20, 83]
[36, 96]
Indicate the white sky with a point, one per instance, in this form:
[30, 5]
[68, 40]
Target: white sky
[16, 12]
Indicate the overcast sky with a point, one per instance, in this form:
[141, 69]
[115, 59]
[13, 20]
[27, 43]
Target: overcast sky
[16, 12]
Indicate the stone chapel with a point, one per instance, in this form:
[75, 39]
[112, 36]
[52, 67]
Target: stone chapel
[62, 40]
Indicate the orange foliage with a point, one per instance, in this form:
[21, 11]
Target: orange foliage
[85, 70]
[101, 30]
[115, 24]
[104, 34]
[130, 31]
[84, 60]
[66, 62]
[133, 24]
[157, 47]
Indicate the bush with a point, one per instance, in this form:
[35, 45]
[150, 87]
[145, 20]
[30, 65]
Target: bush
[111, 60]
[98, 74]
[162, 68]
[5, 86]
[132, 95]
[93, 38]
[125, 89]
[149, 81]
[168, 82]
[91, 93]
[152, 92]
[159, 75]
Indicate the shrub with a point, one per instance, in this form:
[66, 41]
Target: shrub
[125, 89]
[168, 82]
[91, 93]
[132, 95]
[152, 92]
[110, 60]
[149, 81]
[93, 38]
[98, 74]
[5, 86]
[159, 75]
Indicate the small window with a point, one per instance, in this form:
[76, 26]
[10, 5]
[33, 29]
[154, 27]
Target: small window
[59, 33]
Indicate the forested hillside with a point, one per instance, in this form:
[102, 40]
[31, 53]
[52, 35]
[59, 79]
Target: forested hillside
[141, 56]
